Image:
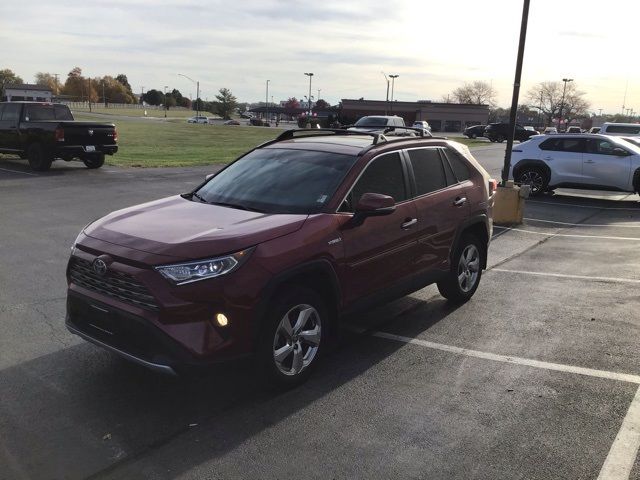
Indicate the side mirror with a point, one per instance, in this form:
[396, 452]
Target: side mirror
[620, 152]
[209, 177]
[373, 205]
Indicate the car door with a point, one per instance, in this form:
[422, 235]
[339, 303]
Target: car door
[563, 155]
[602, 167]
[441, 203]
[379, 252]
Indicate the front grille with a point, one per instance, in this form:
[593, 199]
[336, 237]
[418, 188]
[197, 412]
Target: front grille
[113, 284]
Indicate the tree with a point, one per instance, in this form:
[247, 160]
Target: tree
[153, 97]
[122, 79]
[227, 103]
[47, 80]
[79, 88]
[321, 105]
[478, 92]
[291, 106]
[169, 101]
[547, 98]
[114, 91]
[7, 77]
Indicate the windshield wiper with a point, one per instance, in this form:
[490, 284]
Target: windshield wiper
[238, 206]
[199, 197]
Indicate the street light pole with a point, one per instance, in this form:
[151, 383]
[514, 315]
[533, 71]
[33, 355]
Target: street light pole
[165, 101]
[266, 103]
[386, 108]
[197, 92]
[564, 91]
[393, 83]
[310, 75]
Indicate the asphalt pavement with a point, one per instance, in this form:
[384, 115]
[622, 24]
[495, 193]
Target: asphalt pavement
[536, 377]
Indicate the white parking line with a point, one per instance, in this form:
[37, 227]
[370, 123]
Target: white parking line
[572, 205]
[18, 171]
[558, 367]
[602, 237]
[572, 277]
[624, 225]
[622, 454]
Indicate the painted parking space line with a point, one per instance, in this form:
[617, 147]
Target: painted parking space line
[505, 230]
[18, 171]
[622, 453]
[527, 362]
[601, 237]
[567, 276]
[593, 207]
[612, 225]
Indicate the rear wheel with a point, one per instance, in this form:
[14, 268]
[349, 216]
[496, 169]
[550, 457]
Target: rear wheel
[535, 177]
[39, 159]
[473, 135]
[499, 139]
[94, 161]
[293, 337]
[466, 269]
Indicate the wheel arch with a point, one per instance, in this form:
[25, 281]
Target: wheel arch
[531, 163]
[477, 226]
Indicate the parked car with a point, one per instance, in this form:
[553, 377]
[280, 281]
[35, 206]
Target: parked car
[499, 132]
[381, 124]
[198, 119]
[231, 122]
[587, 161]
[44, 132]
[474, 131]
[594, 130]
[620, 129]
[422, 124]
[267, 255]
[550, 131]
[574, 130]
[530, 128]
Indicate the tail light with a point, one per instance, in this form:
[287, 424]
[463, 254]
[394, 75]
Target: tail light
[115, 135]
[59, 134]
[493, 186]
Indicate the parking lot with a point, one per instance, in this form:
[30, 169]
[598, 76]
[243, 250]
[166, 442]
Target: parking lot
[536, 377]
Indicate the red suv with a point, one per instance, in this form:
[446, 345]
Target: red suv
[268, 254]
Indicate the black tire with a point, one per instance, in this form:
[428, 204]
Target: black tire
[39, 159]
[452, 287]
[499, 139]
[535, 177]
[636, 181]
[94, 161]
[290, 303]
[492, 140]
[472, 136]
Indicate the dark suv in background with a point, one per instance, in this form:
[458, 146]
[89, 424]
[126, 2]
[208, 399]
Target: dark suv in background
[499, 132]
[268, 254]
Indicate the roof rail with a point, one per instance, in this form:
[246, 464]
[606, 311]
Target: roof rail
[289, 134]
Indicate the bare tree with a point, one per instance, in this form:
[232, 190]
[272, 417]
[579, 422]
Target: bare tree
[547, 98]
[478, 92]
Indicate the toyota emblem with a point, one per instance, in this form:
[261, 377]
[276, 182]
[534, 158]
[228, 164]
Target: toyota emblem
[99, 266]
[90, 132]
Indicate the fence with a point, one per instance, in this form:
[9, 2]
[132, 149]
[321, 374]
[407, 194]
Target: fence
[128, 106]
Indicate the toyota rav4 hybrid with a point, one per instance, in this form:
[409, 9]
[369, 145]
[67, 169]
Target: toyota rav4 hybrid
[584, 161]
[266, 256]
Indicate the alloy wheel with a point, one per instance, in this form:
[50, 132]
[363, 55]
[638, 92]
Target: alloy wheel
[534, 179]
[468, 268]
[297, 339]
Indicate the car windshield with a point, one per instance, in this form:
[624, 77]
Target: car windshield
[278, 181]
[371, 122]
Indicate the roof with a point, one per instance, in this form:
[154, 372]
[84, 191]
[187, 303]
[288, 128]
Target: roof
[27, 86]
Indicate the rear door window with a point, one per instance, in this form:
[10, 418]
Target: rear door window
[575, 145]
[428, 170]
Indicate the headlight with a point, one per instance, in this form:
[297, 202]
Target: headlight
[182, 273]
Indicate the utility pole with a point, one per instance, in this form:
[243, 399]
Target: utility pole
[104, 98]
[516, 92]
[310, 75]
[56, 75]
[564, 91]
[89, 93]
[197, 92]
[165, 101]
[318, 97]
[142, 96]
[266, 103]
[393, 83]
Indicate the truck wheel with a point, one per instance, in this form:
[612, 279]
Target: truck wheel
[94, 161]
[39, 159]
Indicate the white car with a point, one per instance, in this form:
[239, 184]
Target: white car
[550, 131]
[422, 124]
[199, 119]
[585, 161]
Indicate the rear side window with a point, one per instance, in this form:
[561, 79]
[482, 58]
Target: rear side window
[632, 129]
[459, 166]
[428, 170]
[575, 145]
[11, 112]
[383, 175]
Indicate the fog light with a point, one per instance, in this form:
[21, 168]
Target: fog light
[222, 320]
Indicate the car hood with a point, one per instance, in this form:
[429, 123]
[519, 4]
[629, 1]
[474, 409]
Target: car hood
[180, 228]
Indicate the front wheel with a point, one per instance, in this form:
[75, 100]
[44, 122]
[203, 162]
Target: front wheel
[293, 337]
[466, 269]
[535, 177]
[94, 161]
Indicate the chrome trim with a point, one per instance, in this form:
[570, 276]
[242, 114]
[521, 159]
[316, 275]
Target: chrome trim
[156, 367]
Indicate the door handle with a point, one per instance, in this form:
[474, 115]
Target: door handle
[589, 161]
[458, 202]
[548, 158]
[409, 223]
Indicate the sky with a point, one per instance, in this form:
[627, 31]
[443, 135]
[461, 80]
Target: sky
[434, 46]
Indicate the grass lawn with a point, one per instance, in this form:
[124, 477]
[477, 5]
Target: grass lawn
[156, 143]
[476, 142]
[139, 112]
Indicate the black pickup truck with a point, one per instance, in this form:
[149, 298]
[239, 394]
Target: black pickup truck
[43, 132]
